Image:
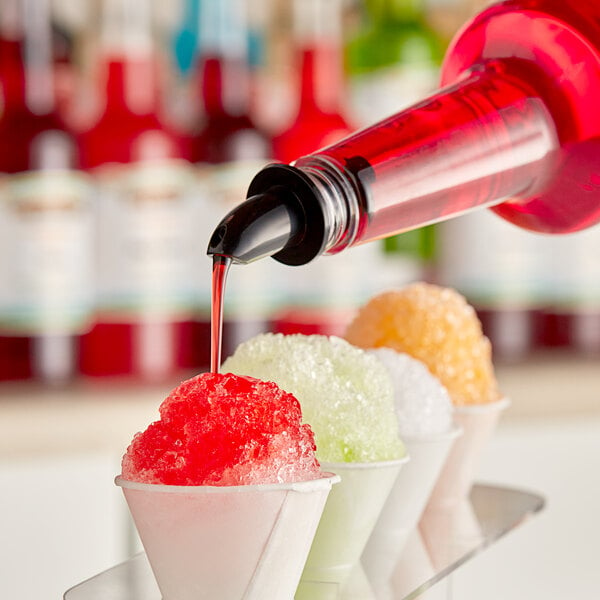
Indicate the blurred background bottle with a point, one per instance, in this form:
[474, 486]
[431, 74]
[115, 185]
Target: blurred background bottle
[319, 297]
[393, 59]
[570, 314]
[45, 206]
[185, 39]
[147, 207]
[228, 146]
[320, 91]
[502, 270]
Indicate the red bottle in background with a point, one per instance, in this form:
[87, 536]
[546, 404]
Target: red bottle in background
[146, 287]
[319, 118]
[227, 132]
[320, 297]
[45, 214]
[228, 147]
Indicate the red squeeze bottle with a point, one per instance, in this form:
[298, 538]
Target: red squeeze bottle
[144, 325]
[515, 128]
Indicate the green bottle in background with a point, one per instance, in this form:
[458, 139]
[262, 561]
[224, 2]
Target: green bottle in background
[393, 59]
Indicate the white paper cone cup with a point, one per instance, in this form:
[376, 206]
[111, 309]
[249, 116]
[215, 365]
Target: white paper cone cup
[478, 423]
[406, 502]
[348, 519]
[450, 532]
[227, 542]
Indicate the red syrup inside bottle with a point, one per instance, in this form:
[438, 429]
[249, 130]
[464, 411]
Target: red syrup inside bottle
[515, 129]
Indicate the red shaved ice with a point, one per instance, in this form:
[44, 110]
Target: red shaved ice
[224, 429]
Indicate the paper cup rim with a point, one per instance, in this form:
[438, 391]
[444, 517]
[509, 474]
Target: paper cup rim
[325, 481]
[379, 464]
[497, 405]
[452, 433]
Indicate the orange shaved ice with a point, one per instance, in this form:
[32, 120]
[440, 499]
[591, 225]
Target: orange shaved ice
[437, 326]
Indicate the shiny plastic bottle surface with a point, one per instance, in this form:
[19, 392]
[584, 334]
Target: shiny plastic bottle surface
[515, 128]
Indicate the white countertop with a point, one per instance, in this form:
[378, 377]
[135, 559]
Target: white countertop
[102, 416]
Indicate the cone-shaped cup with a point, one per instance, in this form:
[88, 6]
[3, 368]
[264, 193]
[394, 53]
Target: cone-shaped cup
[406, 502]
[348, 519]
[478, 423]
[227, 542]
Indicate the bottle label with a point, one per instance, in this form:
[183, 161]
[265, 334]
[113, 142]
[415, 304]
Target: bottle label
[494, 263]
[46, 255]
[148, 220]
[572, 270]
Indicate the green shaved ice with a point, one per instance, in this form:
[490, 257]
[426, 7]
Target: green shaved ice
[346, 394]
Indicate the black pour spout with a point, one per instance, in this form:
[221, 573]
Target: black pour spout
[283, 217]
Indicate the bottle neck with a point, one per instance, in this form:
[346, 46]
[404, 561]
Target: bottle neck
[26, 60]
[485, 140]
[321, 85]
[130, 84]
[225, 86]
[185, 39]
[317, 27]
[127, 57]
[223, 58]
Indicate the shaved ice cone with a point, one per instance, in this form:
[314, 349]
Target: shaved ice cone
[406, 503]
[425, 419]
[437, 326]
[228, 542]
[346, 395]
[478, 423]
[350, 514]
[225, 490]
